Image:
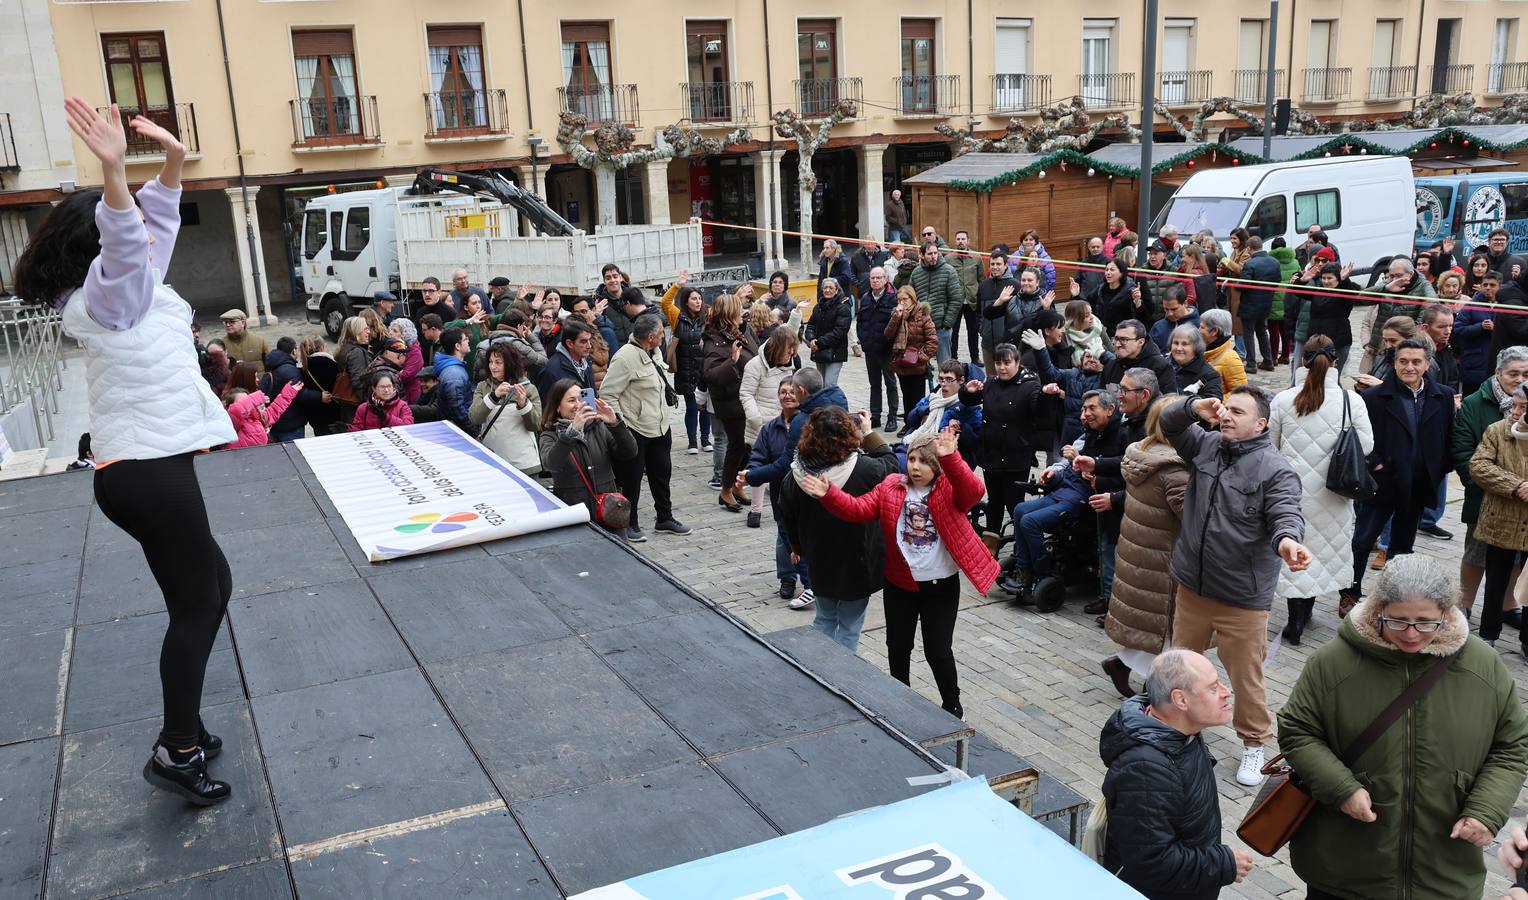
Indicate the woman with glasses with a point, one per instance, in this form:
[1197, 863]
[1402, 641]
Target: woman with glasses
[1500, 468]
[1409, 815]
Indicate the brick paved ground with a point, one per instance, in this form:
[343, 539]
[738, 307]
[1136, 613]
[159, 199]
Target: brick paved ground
[1031, 681]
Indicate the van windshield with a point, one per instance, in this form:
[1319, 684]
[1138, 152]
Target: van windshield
[1191, 214]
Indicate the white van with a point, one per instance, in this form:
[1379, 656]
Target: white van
[1365, 204]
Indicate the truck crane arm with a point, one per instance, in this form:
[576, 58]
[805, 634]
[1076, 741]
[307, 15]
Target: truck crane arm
[543, 218]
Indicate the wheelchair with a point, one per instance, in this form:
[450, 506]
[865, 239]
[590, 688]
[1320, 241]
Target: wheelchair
[1072, 550]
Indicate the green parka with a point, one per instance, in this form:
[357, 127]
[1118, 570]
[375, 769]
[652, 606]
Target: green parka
[1462, 750]
[1477, 412]
[939, 287]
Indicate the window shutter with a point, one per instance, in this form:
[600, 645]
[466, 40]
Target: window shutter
[918, 28]
[586, 31]
[322, 43]
[456, 36]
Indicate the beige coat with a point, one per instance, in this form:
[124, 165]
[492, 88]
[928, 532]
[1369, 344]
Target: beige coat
[1140, 606]
[633, 387]
[1499, 465]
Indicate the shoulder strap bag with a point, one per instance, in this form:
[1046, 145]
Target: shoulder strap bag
[669, 397]
[1283, 803]
[1348, 475]
[612, 510]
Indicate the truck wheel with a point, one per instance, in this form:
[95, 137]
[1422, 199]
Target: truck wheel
[333, 314]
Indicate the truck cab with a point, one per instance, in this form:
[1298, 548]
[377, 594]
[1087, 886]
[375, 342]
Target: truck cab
[349, 252]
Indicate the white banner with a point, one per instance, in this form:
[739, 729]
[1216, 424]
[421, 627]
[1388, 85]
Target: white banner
[425, 487]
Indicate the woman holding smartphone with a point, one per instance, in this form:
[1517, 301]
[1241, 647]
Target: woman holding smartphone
[576, 434]
[101, 259]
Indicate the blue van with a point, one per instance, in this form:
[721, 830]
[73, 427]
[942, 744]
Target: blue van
[1470, 207]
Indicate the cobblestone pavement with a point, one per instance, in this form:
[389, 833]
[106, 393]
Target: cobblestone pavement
[1031, 681]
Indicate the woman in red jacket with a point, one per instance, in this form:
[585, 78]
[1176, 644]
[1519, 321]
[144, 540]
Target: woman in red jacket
[385, 408]
[929, 542]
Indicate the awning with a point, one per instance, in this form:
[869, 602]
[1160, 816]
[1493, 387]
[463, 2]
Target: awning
[1479, 162]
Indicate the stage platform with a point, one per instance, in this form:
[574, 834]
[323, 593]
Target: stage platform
[528, 718]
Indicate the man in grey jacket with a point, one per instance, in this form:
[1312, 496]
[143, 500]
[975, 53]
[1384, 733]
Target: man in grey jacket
[1241, 522]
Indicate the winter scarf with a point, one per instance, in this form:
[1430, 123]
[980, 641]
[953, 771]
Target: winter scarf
[937, 403]
[836, 473]
[1503, 399]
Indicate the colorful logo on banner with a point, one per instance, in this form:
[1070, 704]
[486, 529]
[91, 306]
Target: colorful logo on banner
[435, 523]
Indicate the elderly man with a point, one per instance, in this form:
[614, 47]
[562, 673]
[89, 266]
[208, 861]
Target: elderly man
[971, 268]
[870, 255]
[1220, 350]
[1137, 390]
[896, 220]
[241, 345]
[382, 302]
[1132, 348]
[872, 315]
[634, 388]
[461, 290]
[1164, 809]
[1241, 522]
[1410, 291]
[1168, 238]
[1092, 275]
[1175, 312]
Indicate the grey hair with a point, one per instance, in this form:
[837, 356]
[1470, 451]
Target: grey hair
[1218, 319]
[1510, 355]
[1169, 672]
[1105, 396]
[809, 380]
[646, 326]
[1145, 379]
[1404, 263]
[1413, 576]
[1191, 334]
[410, 333]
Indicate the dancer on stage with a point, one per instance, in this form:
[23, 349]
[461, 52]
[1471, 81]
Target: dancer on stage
[102, 259]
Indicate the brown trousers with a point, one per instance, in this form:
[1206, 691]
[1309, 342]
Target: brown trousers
[1241, 638]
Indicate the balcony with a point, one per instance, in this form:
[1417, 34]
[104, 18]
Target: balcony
[344, 122]
[1450, 79]
[1326, 85]
[178, 119]
[817, 97]
[9, 161]
[601, 103]
[718, 102]
[1184, 88]
[1506, 78]
[926, 96]
[1252, 85]
[466, 116]
[1019, 93]
[1107, 90]
[1389, 83]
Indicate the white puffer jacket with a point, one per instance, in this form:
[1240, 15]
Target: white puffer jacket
[760, 393]
[1307, 442]
[148, 399]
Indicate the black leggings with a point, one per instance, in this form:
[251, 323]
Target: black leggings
[159, 503]
[936, 602]
[1499, 563]
[914, 388]
[1005, 490]
[737, 448]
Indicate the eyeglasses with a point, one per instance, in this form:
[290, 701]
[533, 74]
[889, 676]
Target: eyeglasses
[1400, 625]
[948, 379]
[1125, 390]
[1126, 340]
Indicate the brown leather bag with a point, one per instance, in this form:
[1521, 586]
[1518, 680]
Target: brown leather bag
[343, 390]
[1283, 804]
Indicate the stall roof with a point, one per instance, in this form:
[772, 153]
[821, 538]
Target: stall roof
[977, 167]
[1398, 142]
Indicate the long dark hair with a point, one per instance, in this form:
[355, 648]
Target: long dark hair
[553, 400]
[1320, 355]
[61, 250]
[244, 377]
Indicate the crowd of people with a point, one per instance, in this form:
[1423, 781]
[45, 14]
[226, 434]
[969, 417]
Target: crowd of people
[1112, 438]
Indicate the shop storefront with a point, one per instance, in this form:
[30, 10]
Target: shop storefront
[835, 207]
[721, 189]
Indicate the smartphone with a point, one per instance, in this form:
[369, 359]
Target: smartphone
[586, 396]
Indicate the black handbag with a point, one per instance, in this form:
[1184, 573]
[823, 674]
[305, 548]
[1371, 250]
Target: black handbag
[1348, 474]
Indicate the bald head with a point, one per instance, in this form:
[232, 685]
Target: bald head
[1184, 691]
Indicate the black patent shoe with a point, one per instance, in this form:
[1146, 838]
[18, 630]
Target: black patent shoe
[188, 779]
[211, 744]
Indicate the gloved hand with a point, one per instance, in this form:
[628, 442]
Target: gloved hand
[1033, 339]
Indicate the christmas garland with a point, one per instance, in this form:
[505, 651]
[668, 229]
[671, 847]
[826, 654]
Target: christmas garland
[1354, 142]
[1062, 158]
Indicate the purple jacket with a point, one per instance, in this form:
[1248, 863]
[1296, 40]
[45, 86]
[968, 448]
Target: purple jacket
[135, 253]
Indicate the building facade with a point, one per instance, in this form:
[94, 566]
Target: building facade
[322, 95]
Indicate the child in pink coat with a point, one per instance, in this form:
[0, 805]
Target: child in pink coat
[252, 415]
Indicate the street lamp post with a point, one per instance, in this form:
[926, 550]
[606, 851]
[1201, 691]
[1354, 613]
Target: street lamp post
[1148, 117]
[1268, 75]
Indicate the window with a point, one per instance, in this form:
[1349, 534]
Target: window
[918, 88]
[1387, 37]
[817, 64]
[586, 69]
[357, 232]
[1191, 214]
[1386, 78]
[1177, 59]
[1319, 52]
[315, 233]
[1270, 218]
[1322, 208]
[1516, 200]
[1010, 87]
[706, 58]
[1252, 44]
[138, 77]
[1097, 60]
[1503, 52]
[457, 99]
[326, 84]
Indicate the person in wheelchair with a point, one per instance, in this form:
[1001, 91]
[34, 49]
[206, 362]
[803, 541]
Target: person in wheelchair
[1066, 501]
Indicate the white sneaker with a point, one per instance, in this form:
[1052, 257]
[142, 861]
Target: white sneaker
[1250, 772]
[804, 600]
[693, 450]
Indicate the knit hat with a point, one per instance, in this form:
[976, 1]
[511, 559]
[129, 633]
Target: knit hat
[396, 345]
[1326, 254]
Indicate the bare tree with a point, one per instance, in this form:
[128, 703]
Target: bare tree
[791, 125]
[615, 149]
[1065, 126]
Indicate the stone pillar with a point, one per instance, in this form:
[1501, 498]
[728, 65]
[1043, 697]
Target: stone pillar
[766, 189]
[872, 204]
[655, 191]
[246, 221]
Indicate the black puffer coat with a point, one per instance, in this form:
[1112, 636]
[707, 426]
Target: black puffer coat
[1164, 813]
[829, 327]
[1011, 419]
[847, 560]
[689, 355]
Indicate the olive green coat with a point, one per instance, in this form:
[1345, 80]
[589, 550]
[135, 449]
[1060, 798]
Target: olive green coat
[1461, 750]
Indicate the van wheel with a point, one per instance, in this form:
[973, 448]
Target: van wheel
[333, 314]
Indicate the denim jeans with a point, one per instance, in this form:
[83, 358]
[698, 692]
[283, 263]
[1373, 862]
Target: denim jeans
[783, 567]
[1107, 545]
[841, 620]
[829, 372]
[944, 342]
[718, 453]
[1035, 519]
[1430, 515]
[695, 416]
